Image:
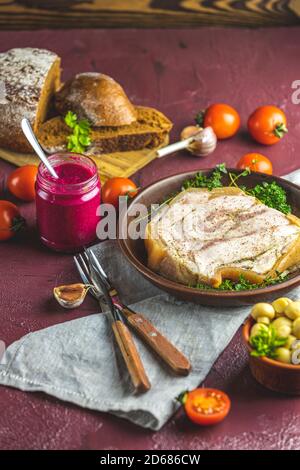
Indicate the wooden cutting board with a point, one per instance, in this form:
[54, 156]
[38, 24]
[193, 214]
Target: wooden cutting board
[109, 165]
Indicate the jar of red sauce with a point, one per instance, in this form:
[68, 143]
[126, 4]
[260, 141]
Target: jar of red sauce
[67, 207]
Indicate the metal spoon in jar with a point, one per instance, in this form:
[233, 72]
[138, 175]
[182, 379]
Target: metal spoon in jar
[28, 132]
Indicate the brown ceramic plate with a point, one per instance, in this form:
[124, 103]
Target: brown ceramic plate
[274, 375]
[135, 252]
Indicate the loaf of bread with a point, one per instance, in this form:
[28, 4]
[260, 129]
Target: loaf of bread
[148, 131]
[98, 98]
[28, 79]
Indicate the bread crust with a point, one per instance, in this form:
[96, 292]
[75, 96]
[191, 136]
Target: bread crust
[28, 79]
[98, 98]
[149, 131]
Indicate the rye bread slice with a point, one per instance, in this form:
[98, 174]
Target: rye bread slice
[148, 131]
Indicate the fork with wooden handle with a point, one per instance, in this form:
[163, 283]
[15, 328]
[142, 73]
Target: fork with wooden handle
[168, 353]
[159, 343]
[131, 356]
[121, 332]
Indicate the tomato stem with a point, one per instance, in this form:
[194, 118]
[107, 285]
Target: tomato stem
[18, 224]
[182, 397]
[280, 130]
[199, 118]
[130, 192]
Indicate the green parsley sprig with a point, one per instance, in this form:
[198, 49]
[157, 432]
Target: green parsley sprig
[266, 342]
[79, 140]
[272, 195]
[209, 182]
[243, 284]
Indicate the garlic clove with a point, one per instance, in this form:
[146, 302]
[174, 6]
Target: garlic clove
[205, 142]
[189, 131]
[200, 143]
[70, 296]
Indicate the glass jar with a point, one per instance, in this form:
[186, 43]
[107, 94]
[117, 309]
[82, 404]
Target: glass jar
[66, 207]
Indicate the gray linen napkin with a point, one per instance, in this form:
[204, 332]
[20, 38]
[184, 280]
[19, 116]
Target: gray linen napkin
[77, 362]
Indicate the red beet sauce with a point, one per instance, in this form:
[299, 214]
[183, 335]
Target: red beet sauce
[66, 207]
[71, 173]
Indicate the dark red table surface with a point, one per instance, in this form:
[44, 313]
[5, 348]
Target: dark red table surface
[179, 72]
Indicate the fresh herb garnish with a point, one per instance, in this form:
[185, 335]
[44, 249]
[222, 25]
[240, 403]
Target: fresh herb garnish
[209, 182]
[266, 342]
[243, 284]
[79, 140]
[272, 195]
[234, 178]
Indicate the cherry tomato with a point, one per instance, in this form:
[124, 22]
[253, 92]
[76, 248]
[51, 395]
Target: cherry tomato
[255, 162]
[115, 187]
[267, 125]
[206, 406]
[224, 120]
[21, 182]
[10, 220]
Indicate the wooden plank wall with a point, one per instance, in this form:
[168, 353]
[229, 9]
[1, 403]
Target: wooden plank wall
[37, 14]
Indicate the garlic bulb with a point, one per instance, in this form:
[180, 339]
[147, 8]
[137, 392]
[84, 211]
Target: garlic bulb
[70, 296]
[205, 142]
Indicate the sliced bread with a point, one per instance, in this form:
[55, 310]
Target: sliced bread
[28, 79]
[148, 131]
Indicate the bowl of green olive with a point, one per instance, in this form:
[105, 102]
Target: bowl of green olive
[272, 336]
